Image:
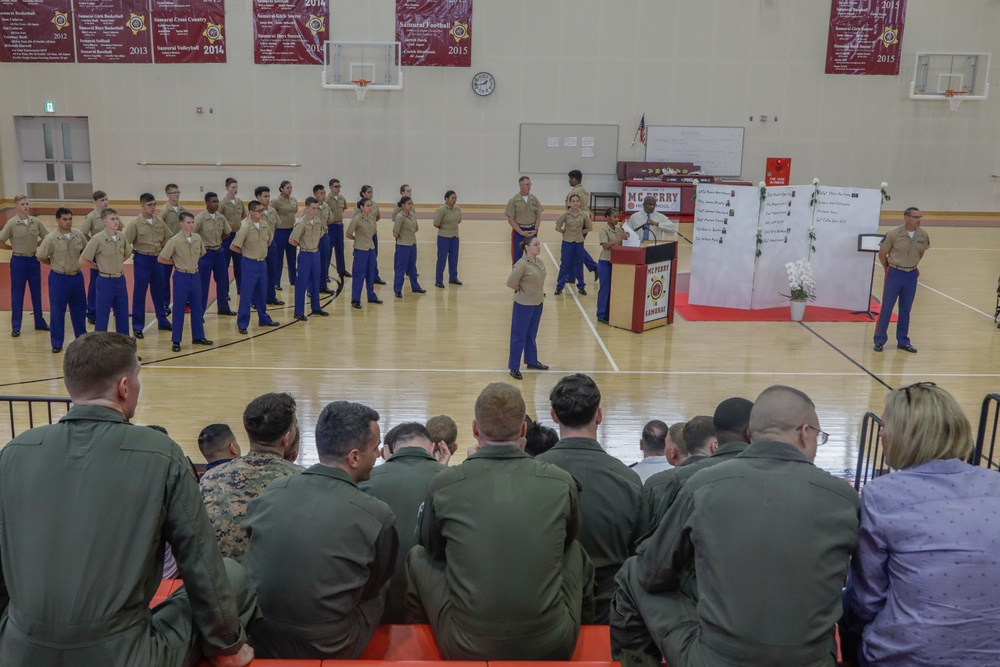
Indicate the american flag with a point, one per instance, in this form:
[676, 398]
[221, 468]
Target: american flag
[642, 130]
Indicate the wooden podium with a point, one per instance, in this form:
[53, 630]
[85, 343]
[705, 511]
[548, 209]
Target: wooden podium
[642, 286]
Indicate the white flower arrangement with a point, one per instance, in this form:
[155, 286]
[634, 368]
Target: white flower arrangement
[815, 180]
[815, 194]
[763, 191]
[885, 195]
[800, 281]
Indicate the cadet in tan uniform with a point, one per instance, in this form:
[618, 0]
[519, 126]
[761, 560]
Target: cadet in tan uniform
[107, 251]
[447, 219]
[147, 233]
[61, 250]
[404, 229]
[498, 572]
[170, 214]
[287, 208]
[576, 188]
[252, 243]
[368, 193]
[524, 215]
[338, 204]
[306, 236]
[574, 225]
[361, 230]
[527, 279]
[91, 225]
[323, 215]
[213, 227]
[608, 237]
[23, 233]
[404, 191]
[263, 195]
[899, 253]
[183, 251]
[234, 211]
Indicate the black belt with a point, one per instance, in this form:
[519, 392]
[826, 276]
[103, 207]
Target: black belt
[147, 254]
[903, 268]
[63, 273]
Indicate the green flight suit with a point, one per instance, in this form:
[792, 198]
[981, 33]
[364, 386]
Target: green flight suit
[770, 537]
[658, 490]
[402, 483]
[498, 572]
[610, 509]
[320, 555]
[86, 506]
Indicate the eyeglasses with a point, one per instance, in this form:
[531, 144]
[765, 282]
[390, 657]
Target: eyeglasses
[915, 217]
[916, 384]
[175, 192]
[821, 436]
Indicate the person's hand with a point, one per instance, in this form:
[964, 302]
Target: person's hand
[627, 235]
[240, 659]
[441, 452]
[473, 449]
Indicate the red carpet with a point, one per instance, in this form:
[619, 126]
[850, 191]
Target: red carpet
[813, 313]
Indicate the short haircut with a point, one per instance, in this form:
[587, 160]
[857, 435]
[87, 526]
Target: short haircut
[185, 215]
[107, 213]
[443, 429]
[255, 205]
[676, 435]
[166, 189]
[318, 187]
[333, 182]
[157, 427]
[341, 427]
[698, 431]
[210, 196]
[97, 360]
[449, 193]
[576, 173]
[19, 198]
[910, 210]
[732, 418]
[214, 439]
[267, 418]
[539, 438]
[261, 189]
[311, 200]
[146, 197]
[500, 412]
[922, 423]
[575, 400]
[61, 211]
[401, 435]
[779, 409]
[101, 194]
[523, 179]
[654, 437]
[230, 181]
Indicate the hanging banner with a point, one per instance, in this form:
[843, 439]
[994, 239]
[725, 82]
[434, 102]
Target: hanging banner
[113, 31]
[724, 245]
[290, 32]
[865, 37]
[433, 33]
[189, 31]
[36, 32]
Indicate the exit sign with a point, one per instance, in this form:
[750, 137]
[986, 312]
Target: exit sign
[50, 107]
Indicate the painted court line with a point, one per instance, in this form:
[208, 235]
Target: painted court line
[961, 303]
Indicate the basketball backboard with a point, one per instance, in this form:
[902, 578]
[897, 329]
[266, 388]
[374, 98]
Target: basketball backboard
[952, 76]
[377, 63]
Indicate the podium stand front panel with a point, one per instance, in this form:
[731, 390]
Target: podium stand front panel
[642, 294]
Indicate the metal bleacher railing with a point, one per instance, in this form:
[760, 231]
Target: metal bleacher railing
[985, 453]
[871, 458]
[25, 412]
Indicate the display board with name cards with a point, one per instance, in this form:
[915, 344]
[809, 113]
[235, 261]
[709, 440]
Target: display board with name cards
[784, 225]
[725, 236]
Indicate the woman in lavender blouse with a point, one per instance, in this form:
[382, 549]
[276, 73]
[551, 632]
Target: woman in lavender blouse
[925, 581]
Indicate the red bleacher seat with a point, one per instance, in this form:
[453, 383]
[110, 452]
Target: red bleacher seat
[552, 663]
[593, 645]
[402, 642]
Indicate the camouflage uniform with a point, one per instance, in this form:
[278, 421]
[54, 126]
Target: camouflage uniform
[228, 489]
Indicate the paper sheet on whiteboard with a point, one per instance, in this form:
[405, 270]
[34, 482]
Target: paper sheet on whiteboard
[553, 142]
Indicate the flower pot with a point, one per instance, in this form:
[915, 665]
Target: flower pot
[798, 310]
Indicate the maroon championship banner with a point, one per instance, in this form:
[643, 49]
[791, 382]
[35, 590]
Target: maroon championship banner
[189, 31]
[865, 36]
[433, 33]
[113, 31]
[38, 31]
[290, 32]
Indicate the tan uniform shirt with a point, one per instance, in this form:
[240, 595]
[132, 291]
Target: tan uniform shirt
[376, 214]
[337, 207]
[405, 224]
[584, 195]
[184, 254]
[252, 241]
[212, 230]
[447, 219]
[271, 217]
[23, 237]
[523, 212]
[234, 211]
[171, 217]
[606, 235]
[63, 253]
[528, 275]
[92, 224]
[904, 252]
[396, 210]
[362, 229]
[572, 225]
[324, 214]
[108, 253]
[308, 233]
[147, 238]
[287, 209]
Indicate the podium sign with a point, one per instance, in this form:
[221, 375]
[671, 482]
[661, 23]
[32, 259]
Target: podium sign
[643, 280]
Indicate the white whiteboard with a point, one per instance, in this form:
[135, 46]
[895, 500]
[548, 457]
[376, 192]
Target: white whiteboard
[717, 150]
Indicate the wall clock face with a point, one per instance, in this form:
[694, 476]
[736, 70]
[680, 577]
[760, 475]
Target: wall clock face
[483, 83]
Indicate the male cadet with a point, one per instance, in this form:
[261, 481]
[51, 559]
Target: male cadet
[61, 250]
[323, 214]
[273, 431]
[81, 565]
[23, 233]
[444, 430]
[338, 204]
[498, 572]
[234, 211]
[251, 243]
[698, 443]
[899, 253]
[217, 443]
[653, 445]
[213, 227]
[524, 215]
[650, 224]
[91, 225]
[184, 251]
[148, 234]
[412, 459]
[263, 195]
[322, 551]
[170, 214]
[306, 235]
[576, 188]
[107, 251]
[748, 565]
[611, 498]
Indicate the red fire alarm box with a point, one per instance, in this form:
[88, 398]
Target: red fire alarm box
[779, 170]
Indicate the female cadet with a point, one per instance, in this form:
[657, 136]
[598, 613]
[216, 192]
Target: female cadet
[361, 230]
[527, 279]
[608, 237]
[447, 219]
[287, 208]
[367, 192]
[404, 229]
[572, 224]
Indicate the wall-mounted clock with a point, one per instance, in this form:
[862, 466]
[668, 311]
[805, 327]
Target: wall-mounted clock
[483, 84]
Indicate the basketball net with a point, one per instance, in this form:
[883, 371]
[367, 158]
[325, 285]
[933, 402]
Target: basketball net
[955, 97]
[361, 88]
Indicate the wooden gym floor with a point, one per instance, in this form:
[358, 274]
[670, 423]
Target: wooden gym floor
[432, 354]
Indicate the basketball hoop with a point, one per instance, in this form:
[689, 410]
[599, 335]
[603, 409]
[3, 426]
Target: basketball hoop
[955, 97]
[361, 88]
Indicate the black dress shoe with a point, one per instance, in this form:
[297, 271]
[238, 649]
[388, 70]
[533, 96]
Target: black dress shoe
[558, 292]
[379, 281]
[92, 320]
[326, 290]
[321, 313]
[516, 374]
[879, 347]
[441, 285]
[138, 334]
[356, 304]
[272, 323]
[594, 271]
[176, 347]
[44, 327]
[582, 292]
[15, 333]
[302, 318]
[375, 300]
[907, 348]
[242, 331]
[278, 288]
[419, 290]
[539, 366]
[165, 327]
[276, 302]
[56, 350]
[454, 282]
[399, 295]
[346, 274]
[167, 311]
[202, 341]
[602, 320]
[228, 312]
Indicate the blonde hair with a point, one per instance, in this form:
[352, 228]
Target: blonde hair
[18, 198]
[922, 423]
